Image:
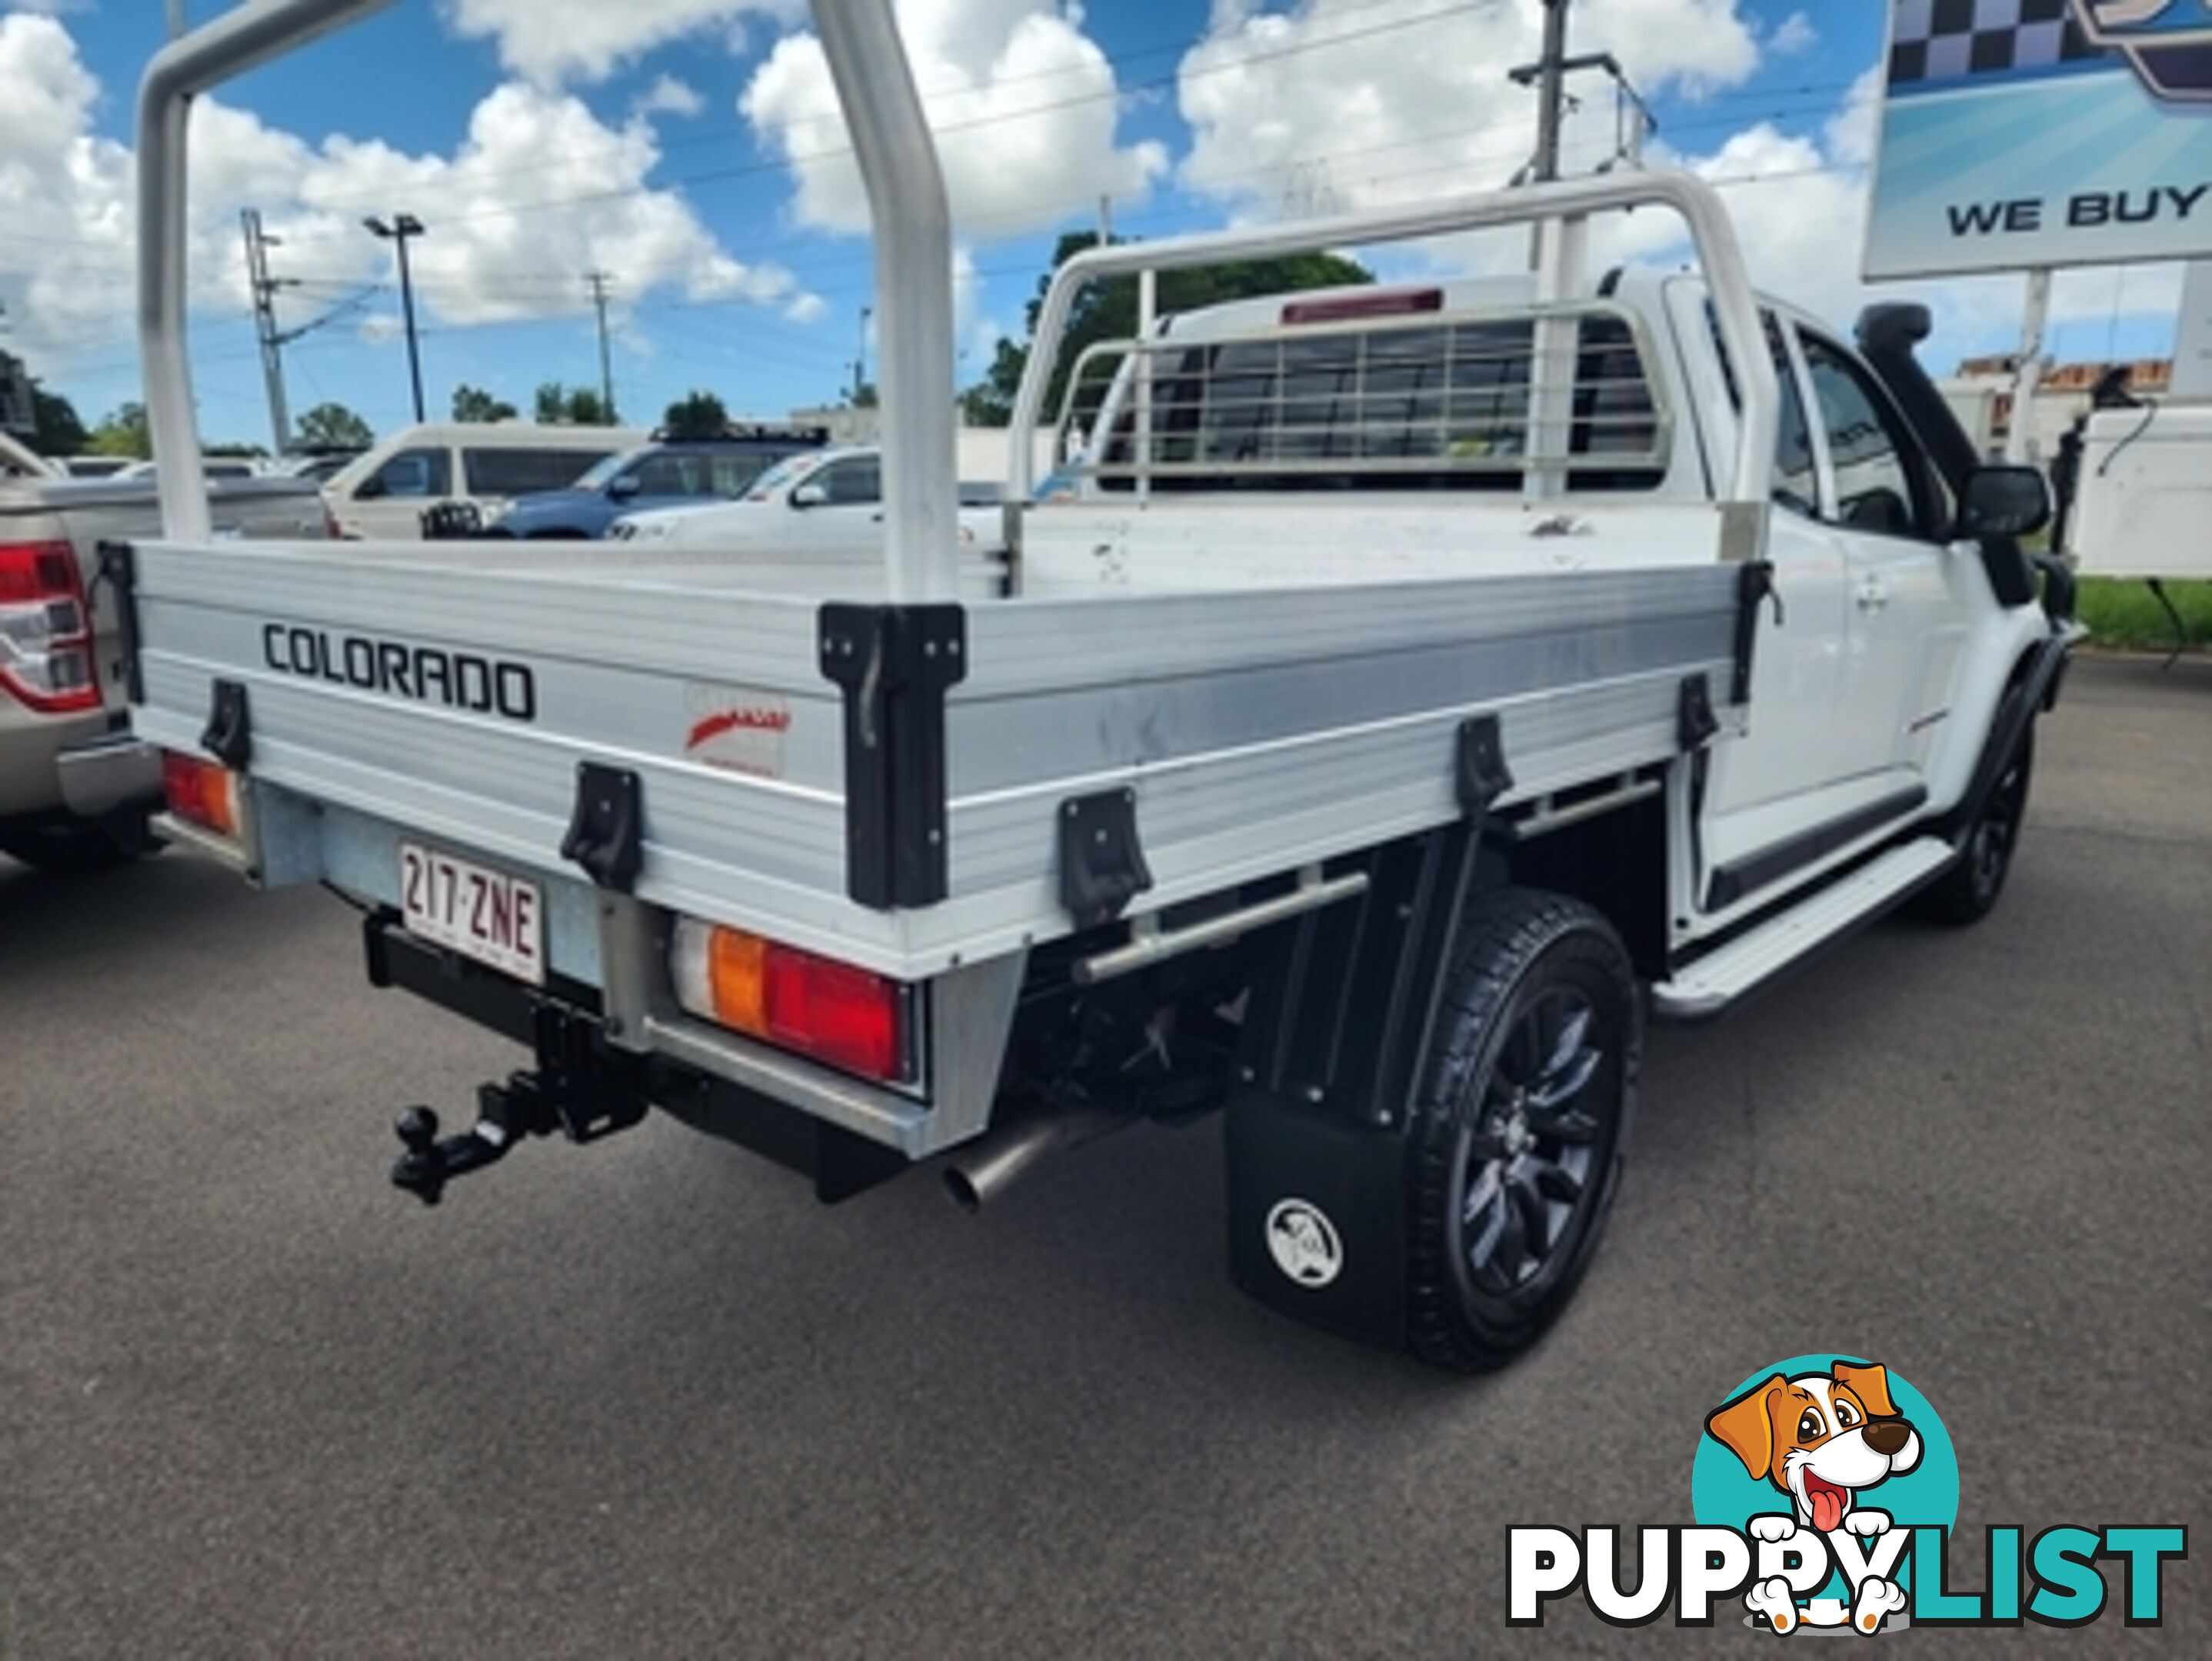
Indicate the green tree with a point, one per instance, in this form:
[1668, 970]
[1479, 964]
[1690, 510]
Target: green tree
[235, 447]
[573, 406]
[59, 432]
[334, 426]
[473, 403]
[123, 432]
[1108, 311]
[696, 413]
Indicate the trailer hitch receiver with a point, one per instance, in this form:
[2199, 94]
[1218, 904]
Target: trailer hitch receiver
[579, 1088]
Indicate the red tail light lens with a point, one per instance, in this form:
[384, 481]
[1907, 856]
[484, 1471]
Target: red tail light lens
[47, 658]
[831, 1012]
[1375, 303]
[200, 791]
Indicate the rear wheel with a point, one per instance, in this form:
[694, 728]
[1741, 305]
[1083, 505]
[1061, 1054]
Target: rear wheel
[1517, 1140]
[1969, 891]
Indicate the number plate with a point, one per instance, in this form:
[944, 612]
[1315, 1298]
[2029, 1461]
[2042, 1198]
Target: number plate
[487, 915]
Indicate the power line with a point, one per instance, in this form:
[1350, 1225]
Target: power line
[999, 118]
[514, 283]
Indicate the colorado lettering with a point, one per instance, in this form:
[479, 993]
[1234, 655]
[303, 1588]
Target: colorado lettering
[455, 680]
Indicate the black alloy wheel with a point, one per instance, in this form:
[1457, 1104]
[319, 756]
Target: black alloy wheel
[1519, 1137]
[1969, 889]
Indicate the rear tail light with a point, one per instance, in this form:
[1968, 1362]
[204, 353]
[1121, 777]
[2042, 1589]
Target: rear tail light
[200, 791]
[828, 1011]
[47, 658]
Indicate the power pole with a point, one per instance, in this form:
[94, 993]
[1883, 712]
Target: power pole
[599, 279]
[861, 361]
[176, 18]
[264, 325]
[1551, 92]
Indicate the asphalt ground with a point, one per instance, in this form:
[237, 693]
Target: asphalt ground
[648, 1399]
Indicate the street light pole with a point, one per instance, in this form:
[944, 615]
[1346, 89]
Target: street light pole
[403, 227]
[860, 362]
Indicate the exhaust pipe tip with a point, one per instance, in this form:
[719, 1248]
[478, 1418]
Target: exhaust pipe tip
[960, 1188]
[991, 1165]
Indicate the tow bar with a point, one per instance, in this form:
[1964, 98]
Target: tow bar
[579, 1088]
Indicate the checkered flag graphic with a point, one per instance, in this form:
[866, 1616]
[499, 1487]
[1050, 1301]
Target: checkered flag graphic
[1945, 40]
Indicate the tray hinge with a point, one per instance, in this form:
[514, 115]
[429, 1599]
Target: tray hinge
[1102, 860]
[1755, 587]
[895, 664]
[1695, 723]
[1482, 773]
[606, 828]
[229, 736]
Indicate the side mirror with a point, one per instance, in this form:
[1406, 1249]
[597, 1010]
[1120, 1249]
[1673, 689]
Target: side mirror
[810, 495]
[624, 487]
[2004, 501]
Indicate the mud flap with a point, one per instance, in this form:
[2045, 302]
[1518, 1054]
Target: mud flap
[1316, 1215]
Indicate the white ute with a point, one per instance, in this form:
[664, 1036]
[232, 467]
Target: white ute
[1400, 686]
[825, 500]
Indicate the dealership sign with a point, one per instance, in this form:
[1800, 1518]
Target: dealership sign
[2024, 133]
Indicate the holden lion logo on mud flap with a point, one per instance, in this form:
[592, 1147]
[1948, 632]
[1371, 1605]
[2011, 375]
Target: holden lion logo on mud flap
[1303, 1243]
[1825, 1490]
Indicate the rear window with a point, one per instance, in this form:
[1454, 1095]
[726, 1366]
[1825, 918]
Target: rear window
[1225, 416]
[518, 472]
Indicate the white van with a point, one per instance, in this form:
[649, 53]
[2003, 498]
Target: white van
[381, 496]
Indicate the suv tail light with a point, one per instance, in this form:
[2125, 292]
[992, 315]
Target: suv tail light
[47, 658]
[829, 1011]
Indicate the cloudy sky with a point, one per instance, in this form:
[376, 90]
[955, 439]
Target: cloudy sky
[691, 149]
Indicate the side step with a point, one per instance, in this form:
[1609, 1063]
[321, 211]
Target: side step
[1709, 986]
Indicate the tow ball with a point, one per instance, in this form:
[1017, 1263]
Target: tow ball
[527, 1105]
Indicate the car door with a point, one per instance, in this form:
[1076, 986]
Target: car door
[388, 504]
[1907, 624]
[848, 511]
[668, 478]
[1776, 786]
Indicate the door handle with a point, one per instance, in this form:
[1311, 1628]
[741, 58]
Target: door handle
[1873, 596]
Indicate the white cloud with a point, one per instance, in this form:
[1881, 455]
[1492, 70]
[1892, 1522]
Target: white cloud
[1342, 103]
[1793, 35]
[67, 233]
[670, 96]
[1024, 103]
[552, 41]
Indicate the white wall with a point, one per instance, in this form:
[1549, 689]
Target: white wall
[2192, 346]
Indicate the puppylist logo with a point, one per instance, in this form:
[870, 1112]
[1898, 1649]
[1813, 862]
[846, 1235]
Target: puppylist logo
[1824, 1488]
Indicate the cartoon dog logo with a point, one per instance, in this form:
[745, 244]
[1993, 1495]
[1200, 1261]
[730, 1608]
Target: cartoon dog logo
[1823, 1439]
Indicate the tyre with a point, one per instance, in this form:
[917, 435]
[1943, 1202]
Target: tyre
[66, 848]
[1969, 889]
[1519, 1130]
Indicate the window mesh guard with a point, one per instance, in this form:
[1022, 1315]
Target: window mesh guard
[1422, 403]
